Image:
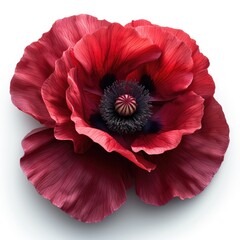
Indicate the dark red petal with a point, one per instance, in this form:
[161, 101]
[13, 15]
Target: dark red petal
[116, 50]
[87, 186]
[179, 117]
[25, 88]
[183, 113]
[54, 89]
[187, 170]
[172, 72]
[110, 144]
[81, 101]
[106, 141]
[56, 92]
[39, 59]
[67, 131]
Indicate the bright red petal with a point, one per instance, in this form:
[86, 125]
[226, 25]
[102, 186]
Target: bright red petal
[172, 72]
[200, 61]
[177, 118]
[39, 59]
[114, 50]
[202, 82]
[185, 171]
[87, 186]
[137, 23]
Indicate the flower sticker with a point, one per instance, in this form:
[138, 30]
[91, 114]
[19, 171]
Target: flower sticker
[120, 106]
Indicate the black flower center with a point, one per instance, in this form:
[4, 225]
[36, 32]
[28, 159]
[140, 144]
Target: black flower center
[125, 107]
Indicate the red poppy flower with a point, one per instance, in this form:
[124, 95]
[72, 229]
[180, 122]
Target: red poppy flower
[120, 105]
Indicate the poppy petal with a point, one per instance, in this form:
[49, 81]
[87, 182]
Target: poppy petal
[200, 61]
[202, 82]
[137, 23]
[87, 186]
[55, 92]
[25, 88]
[38, 63]
[110, 144]
[179, 117]
[67, 131]
[114, 50]
[54, 89]
[79, 99]
[187, 170]
[172, 72]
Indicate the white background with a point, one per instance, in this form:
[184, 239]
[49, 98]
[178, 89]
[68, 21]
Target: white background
[214, 214]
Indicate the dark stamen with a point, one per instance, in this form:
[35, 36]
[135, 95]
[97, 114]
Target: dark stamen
[125, 107]
[151, 127]
[107, 81]
[147, 82]
[97, 121]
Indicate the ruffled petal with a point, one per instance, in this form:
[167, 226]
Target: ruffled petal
[172, 72]
[202, 82]
[39, 59]
[54, 89]
[114, 50]
[187, 170]
[137, 23]
[110, 144]
[179, 117]
[87, 186]
[68, 31]
[65, 87]
[25, 88]
[67, 131]
[80, 99]
[200, 61]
